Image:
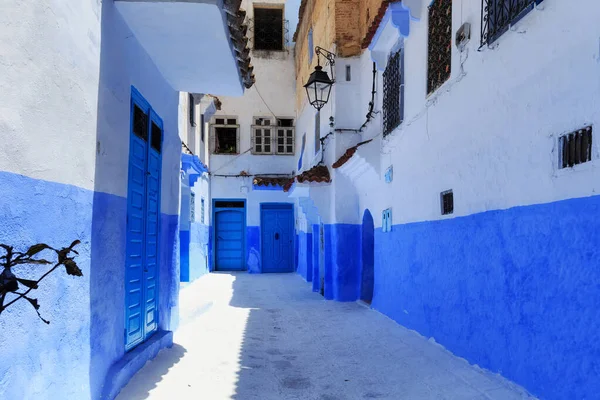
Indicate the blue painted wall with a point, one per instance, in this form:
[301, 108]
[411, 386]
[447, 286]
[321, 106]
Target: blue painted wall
[515, 291]
[367, 257]
[36, 211]
[253, 259]
[342, 262]
[316, 248]
[194, 252]
[304, 255]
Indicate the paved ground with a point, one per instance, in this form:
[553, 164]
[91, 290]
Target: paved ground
[268, 337]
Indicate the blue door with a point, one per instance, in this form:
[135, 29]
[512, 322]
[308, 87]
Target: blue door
[277, 237]
[230, 227]
[143, 212]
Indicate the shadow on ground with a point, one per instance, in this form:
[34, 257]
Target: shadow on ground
[141, 384]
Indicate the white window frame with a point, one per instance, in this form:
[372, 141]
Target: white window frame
[213, 134]
[258, 131]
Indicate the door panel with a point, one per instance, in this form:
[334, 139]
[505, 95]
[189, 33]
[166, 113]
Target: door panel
[134, 312]
[143, 224]
[229, 236]
[277, 230]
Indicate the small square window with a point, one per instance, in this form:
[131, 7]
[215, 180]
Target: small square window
[231, 121]
[447, 199]
[219, 121]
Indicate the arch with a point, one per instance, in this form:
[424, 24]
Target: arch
[368, 258]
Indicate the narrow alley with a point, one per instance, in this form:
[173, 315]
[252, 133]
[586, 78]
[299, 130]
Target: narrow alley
[267, 337]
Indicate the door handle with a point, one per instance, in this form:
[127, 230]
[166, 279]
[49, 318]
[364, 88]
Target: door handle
[277, 236]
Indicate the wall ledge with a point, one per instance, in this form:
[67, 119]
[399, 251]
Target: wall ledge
[121, 372]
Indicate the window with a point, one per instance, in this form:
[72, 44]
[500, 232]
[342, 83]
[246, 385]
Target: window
[447, 198]
[317, 132]
[271, 138]
[191, 109]
[156, 139]
[202, 210]
[140, 122]
[576, 147]
[498, 15]
[202, 127]
[225, 135]
[268, 28]
[348, 73]
[311, 50]
[192, 207]
[439, 51]
[229, 204]
[386, 223]
[393, 93]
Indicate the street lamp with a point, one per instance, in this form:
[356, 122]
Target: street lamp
[318, 87]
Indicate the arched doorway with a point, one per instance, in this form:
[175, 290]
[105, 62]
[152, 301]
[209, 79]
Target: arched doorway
[368, 258]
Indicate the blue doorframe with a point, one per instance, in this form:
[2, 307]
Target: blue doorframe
[143, 222]
[216, 209]
[277, 237]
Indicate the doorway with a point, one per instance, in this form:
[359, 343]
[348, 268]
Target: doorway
[368, 258]
[230, 234]
[143, 222]
[277, 237]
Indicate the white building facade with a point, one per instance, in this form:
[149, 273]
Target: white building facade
[465, 207]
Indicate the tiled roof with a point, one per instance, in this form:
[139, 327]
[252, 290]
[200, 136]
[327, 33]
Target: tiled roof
[375, 25]
[317, 174]
[269, 181]
[237, 31]
[348, 154]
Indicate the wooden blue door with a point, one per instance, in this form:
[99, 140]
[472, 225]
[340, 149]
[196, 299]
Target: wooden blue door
[143, 212]
[229, 237]
[277, 237]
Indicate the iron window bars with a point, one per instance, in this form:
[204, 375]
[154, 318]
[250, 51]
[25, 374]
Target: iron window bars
[498, 15]
[393, 93]
[576, 147]
[439, 50]
[269, 28]
[447, 199]
[273, 139]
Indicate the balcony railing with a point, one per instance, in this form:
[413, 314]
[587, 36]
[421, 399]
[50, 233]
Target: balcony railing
[498, 15]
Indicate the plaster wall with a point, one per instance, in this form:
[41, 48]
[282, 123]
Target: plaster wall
[71, 75]
[490, 134]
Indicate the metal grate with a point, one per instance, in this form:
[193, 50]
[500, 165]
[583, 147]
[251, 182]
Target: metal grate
[498, 15]
[447, 198]
[440, 44]
[156, 139]
[576, 147]
[392, 93]
[268, 28]
[140, 122]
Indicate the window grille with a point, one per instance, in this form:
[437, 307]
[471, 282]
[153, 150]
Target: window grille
[225, 137]
[268, 29]
[447, 198]
[191, 109]
[156, 139]
[498, 15]
[271, 138]
[439, 50]
[192, 207]
[140, 122]
[576, 147]
[393, 93]
[202, 211]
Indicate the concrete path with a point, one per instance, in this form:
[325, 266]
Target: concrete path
[268, 337]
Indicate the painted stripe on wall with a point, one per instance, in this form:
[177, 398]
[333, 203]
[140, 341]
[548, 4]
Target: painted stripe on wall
[516, 291]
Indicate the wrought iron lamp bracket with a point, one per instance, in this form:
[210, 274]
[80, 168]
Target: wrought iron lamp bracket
[329, 56]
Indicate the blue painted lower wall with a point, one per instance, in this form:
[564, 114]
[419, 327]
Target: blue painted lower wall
[253, 255]
[86, 333]
[516, 291]
[194, 252]
[342, 262]
[316, 258]
[304, 255]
